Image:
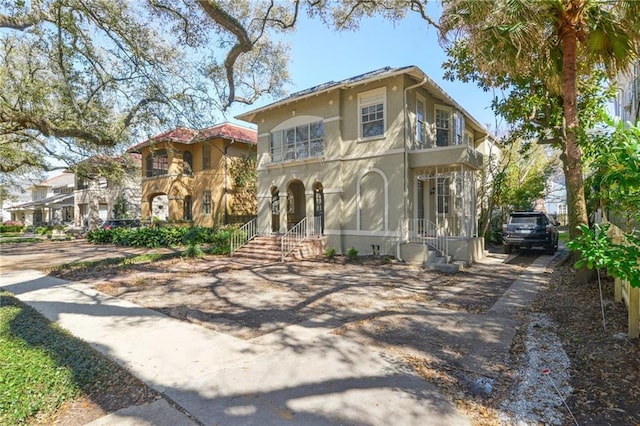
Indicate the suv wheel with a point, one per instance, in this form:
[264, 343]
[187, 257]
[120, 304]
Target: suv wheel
[508, 248]
[551, 249]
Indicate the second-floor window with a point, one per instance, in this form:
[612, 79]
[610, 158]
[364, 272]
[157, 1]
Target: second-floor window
[187, 163]
[157, 163]
[303, 141]
[206, 202]
[371, 106]
[443, 126]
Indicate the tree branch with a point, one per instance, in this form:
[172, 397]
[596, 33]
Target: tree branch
[243, 45]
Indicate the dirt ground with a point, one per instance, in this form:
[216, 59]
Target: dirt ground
[384, 303]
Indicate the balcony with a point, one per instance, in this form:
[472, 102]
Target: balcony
[445, 155]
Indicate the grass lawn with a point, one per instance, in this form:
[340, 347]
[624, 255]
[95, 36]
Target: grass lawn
[43, 366]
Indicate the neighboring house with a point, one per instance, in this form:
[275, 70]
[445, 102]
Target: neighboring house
[82, 201]
[51, 202]
[186, 174]
[7, 204]
[384, 162]
[98, 198]
[627, 101]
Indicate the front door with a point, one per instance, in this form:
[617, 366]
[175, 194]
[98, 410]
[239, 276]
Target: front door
[275, 210]
[318, 205]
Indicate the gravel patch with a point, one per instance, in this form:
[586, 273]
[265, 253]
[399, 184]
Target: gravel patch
[543, 375]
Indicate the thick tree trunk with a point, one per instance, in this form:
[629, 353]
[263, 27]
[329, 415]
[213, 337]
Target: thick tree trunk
[577, 207]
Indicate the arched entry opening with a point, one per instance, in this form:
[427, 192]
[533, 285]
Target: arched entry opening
[159, 206]
[296, 203]
[318, 205]
[275, 209]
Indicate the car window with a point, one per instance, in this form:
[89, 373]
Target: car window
[524, 220]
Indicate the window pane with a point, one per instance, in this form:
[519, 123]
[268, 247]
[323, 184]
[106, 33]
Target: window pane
[317, 138]
[372, 120]
[375, 128]
[290, 144]
[277, 152]
[442, 127]
[317, 130]
[302, 141]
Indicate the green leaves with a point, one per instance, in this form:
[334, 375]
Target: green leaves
[164, 236]
[597, 251]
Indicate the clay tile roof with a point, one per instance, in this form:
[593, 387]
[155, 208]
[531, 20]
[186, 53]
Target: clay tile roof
[228, 131]
[190, 136]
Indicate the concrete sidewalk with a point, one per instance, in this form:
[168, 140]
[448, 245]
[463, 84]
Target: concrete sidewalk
[299, 375]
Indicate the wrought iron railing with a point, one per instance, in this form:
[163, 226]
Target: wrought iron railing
[301, 231]
[243, 235]
[427, 233]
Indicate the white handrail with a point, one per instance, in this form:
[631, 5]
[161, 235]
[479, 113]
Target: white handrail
[243, 235]
[300, 232]
[426, 232]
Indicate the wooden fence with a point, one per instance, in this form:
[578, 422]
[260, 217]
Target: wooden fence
[624, 292]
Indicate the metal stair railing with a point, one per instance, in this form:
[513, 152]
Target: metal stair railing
[243, 235]
[300, 232]
[427, 233]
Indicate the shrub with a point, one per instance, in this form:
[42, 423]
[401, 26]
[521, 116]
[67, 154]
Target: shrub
[193, 250]
[330, 253]
[352, 254]
[11, 227]
[42, 230]
[164, 236]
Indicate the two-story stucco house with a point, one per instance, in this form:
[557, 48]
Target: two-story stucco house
[98, 198]
[186, 174]
[384, 162]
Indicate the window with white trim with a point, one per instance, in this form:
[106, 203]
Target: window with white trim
[371, 110]
[468, 138]
[421, 135]
[443, 126]
[299, 142]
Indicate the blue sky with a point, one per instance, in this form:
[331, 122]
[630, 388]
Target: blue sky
[319, 54]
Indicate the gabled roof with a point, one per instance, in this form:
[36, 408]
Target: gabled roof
[190, 136]
[413, 71]
[63, 180]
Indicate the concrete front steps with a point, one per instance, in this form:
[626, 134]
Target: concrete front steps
[429, 258]
[269, 249]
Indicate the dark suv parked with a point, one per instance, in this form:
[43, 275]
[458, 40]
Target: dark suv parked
[120, 223]
[530, 229]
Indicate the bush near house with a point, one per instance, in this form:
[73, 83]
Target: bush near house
[165, 236]
[11, 227]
